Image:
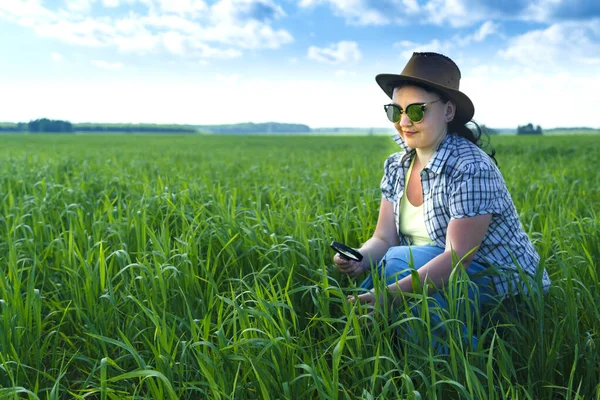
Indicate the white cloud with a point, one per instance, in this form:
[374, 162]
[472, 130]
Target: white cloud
[337, 53]
[182, 7]
[174, 42]
[240, 10]
[342, 73]
[170, 22]
[143, 42]
[228, 79]
[356, 12]
[411, 6]
[81, 6]
[450, 46]
[86, 32]
[560, 45]
[488, 28]
[454, 13]
[183, 27]
[435, 46]
[107, 65]
[251, 35]
[56, 57]
[458, 13]
[405, 43]
[539, 10]
[25, 12]
[205, 51]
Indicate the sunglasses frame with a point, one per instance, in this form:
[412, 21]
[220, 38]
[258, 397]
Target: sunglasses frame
[402, 111]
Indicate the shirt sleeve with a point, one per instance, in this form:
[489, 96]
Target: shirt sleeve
[390, 177]
[478, 190]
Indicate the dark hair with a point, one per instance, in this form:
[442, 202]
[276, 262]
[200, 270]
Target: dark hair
[461, 129]
[474, 135]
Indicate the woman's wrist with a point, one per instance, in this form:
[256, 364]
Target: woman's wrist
[364, 263]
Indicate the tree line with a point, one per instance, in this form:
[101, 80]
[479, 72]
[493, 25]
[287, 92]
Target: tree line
[250, 127]
[45, 125]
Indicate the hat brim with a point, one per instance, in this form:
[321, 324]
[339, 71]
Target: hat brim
[464, 106]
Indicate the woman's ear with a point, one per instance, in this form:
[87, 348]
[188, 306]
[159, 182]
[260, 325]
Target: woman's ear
[450, 111]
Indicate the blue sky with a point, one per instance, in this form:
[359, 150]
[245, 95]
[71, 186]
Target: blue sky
[297, 61]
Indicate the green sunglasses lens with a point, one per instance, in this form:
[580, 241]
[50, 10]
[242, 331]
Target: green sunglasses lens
[393, 113]
[415, 112]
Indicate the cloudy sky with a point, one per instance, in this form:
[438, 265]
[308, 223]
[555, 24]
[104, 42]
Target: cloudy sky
[297, 61]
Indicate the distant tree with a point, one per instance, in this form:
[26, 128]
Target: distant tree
[487, 130]
[34, 126]
[529, 129]
[12, 127]
[49, 126]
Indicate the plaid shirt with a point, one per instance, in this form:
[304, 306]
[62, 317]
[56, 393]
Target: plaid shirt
[459, 181]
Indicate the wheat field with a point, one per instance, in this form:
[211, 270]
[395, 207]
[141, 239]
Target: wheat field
[186, 267]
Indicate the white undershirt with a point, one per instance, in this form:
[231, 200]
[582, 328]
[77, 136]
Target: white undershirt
[412, 221]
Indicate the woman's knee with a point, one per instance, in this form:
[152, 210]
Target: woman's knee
[411, 256]
[401, 253]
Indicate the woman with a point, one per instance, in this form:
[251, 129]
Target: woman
[441, 194]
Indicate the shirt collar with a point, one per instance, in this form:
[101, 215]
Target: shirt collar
[438, 159]
[408, 152]
[398, 139]
[441, 155]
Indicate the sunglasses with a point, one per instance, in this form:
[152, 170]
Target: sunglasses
[415, 111]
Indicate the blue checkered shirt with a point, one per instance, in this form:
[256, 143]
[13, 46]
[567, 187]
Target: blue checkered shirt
[459, 181]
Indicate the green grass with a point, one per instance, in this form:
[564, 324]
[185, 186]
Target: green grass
[198, 267]
[573, 132]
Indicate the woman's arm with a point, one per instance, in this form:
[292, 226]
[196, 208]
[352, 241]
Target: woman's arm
[385, 235]
[463, 235]
[373, 250]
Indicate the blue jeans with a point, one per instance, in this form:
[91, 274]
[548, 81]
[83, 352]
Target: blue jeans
[396, 264]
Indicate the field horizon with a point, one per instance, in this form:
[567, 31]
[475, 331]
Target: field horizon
[246, 128]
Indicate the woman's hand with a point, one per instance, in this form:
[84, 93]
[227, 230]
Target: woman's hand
[364, 299]
[370, 302]
[349, 267]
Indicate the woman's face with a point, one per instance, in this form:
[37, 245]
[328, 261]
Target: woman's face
[427, 134]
